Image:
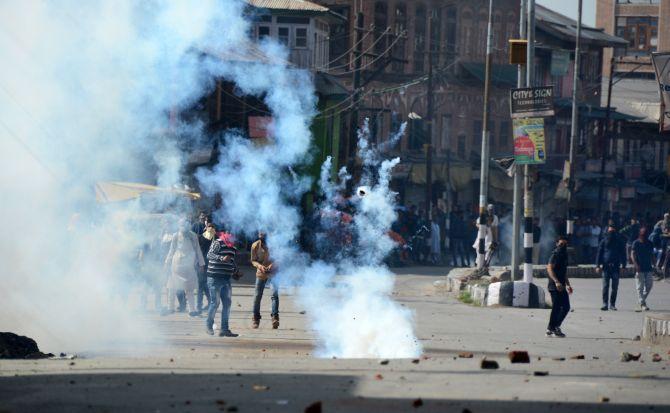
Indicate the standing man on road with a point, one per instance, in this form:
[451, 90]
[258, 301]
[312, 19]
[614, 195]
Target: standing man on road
[642, 256]
[260, 259]
[457, 233]
[221, 268]
[611, 261]
[559, 287]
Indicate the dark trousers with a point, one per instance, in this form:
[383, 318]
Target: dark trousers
[258, 296]
[203, 289]
[610, 276]
[458, 251]
[560, 308]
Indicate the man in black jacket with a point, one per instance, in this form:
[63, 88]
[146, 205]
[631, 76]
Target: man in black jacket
[221, 267]
[611, 261]
[559, 287]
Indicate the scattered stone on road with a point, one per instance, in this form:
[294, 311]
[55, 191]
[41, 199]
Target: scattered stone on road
[540, 373]
[604, 399]
[518, 356]
[489, 364]
[626, 356]
[313, 408]
[577, 357]
[656, 358]
[466, 355]
[383, 362]
[417, 403]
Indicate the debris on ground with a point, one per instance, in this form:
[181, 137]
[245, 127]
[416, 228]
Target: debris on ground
[558, 358]
[626, 356]
[489, 364]
[540, 373]
[302, 312]
[604, 399]
[518, 356]
[577, 357]
[379, 377]
[220, 402]
[313, 408]
[417, 403]
[466, 355]
[415, 361]
[261, 387]
[656, 358]
[636, 338]
[384, 362]
[14, 346]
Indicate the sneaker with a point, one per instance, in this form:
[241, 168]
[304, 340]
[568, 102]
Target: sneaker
[549, 333]
[227, 333]
[603, 308]
[645, 307]
[255, 323]
[558, 332]
[209, 330]
[275, 322]
[613, 308]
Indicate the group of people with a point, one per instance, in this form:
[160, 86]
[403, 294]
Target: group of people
[614, 251]
[201, 263]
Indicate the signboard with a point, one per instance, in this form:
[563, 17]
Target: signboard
[529, 146]
[560, 62]
[532, 102]
[662, 68]
[260, 127]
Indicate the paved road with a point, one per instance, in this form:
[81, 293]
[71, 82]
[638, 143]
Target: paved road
[266, 370]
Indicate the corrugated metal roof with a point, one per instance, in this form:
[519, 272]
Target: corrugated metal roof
[295, 5]
[566, 28]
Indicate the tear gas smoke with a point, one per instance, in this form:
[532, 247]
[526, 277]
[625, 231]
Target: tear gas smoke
[90, 94]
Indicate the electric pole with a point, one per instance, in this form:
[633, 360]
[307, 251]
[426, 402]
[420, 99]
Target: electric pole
[528, 180]
[574, 129]
[429, 120]
[605, 138]
[518, 178]
[484, 173]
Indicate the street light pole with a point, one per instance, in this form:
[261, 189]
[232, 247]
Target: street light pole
[574, 129]
[484, 169]
[528, 184]
[429, 121]
[518, 177]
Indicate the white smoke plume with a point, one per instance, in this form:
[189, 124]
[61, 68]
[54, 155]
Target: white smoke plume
[89, 92]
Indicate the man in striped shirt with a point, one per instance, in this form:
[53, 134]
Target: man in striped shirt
[220, 269]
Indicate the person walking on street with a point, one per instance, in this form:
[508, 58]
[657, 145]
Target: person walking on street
[260, 259]
[457, 233]
[643, 257]
[611, 261]
[205, 241]
[559, 287]
[220, 269]
[183, 257]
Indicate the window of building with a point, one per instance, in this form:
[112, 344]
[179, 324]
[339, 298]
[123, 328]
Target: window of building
[419, 38]
[283, 34]
[300, 38]
[641, 33]
[445, 143]
[450, 32]
[399, 31]
[504, 141]
[461, 146]
[263, 32]
[381, 24]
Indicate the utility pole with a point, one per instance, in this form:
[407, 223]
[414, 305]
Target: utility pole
[518, 178]
[528, 184]
[484, 173]
[429, 120]
[574, 129]
[605, 138]
[356, 82]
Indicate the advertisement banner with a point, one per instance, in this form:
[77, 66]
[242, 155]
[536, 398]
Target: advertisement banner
[529, 145]
[532, 102]
[662, 68]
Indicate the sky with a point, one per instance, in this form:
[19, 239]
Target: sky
[569, 8]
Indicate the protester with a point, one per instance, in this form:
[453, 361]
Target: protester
[457, 234]
[183, 257]
[643, 257]
[205, 241]
[595, 232]
[265, 269]
[435, 241]
[630, 232]
[220, 269]
[611, 261]
[559, 287]
[200, 226]
[494, 222]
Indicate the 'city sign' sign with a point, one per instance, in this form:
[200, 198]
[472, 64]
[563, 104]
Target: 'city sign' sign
[532, 102]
